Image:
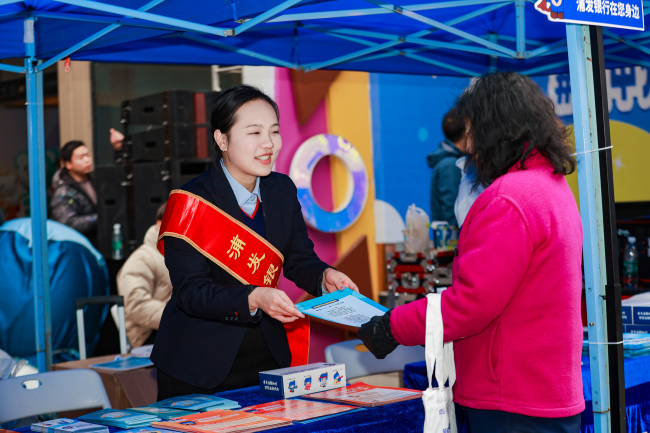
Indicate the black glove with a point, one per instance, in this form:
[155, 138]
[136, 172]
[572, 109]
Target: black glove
[377, 336]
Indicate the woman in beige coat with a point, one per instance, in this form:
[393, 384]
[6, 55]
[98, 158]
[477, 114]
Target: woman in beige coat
[144, 282]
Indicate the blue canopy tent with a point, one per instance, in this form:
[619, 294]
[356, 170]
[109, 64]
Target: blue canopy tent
[461, 37]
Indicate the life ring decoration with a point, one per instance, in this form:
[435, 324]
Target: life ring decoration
[302, 168]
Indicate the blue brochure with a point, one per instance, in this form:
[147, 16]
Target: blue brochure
[125, 364]
[197, 402]
[346, 307]
[162, 412]
[120, 418]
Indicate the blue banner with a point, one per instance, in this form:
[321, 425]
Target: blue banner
[626, 14]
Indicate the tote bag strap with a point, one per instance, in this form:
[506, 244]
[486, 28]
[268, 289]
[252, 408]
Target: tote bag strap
[433, 347]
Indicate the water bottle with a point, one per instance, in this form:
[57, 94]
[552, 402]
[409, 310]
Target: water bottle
[630, 279]
[117, 243]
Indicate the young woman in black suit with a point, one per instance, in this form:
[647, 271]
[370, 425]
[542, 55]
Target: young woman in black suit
[220, 328]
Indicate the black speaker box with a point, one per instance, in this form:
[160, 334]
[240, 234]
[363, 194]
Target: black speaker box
[151, 187]
[168, 107]
[210, 97]
[168, 142]
[112, 184]
[184, 171]
[203, 103]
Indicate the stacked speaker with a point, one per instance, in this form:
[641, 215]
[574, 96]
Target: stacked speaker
[167, 143]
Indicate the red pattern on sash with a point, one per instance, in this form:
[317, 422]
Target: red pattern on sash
[234, 247]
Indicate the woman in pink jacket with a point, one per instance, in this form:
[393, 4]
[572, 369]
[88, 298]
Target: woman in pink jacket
[513, 310]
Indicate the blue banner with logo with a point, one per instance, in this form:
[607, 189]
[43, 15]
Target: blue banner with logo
[627, 14]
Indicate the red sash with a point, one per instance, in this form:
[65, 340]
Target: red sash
[236, 248]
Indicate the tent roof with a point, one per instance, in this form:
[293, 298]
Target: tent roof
[463, 37]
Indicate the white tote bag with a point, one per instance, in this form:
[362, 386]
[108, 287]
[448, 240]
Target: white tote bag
[439, 414]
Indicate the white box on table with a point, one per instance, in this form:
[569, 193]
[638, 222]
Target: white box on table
[304, 379]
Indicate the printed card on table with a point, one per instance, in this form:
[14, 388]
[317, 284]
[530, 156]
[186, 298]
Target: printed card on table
[298, 410]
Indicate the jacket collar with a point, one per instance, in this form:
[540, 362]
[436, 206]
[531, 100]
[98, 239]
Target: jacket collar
[241, 193]
[66, 179]
[224, 198]
[271, 208]
[535, 159]
[223, 195]
[450, 147]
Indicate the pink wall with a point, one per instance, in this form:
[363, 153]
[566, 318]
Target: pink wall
[293, 135]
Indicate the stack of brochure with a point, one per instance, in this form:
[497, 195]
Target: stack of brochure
[197, 402]
[361, 394]
[148, 430]
[63, 425]
[300, 411]
[162, 412]
[120, 418]
[217, 421]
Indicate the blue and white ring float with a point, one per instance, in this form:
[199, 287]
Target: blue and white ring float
[302, 168]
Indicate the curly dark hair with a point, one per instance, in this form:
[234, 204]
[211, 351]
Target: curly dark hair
[509, 117]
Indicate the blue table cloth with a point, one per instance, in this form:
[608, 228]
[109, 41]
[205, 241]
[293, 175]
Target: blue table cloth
[637, 392]
[406, 416]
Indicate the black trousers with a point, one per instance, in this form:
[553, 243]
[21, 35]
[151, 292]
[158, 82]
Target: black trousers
[496, 421]
[253, 356]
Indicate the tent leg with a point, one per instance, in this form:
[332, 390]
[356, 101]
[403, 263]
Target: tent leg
[613, 286]
[38, 207]
[586, 139]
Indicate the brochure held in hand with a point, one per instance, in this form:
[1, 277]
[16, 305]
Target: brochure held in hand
[346, 307]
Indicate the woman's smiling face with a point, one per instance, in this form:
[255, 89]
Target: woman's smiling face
[252, 146]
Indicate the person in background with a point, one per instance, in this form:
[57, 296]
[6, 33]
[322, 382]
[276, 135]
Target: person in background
[513, 309]
[226, 235]
[468, 191]
[144, 282]
[74, 200]
[446, 175]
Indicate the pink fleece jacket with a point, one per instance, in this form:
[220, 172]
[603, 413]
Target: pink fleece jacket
[513, 311]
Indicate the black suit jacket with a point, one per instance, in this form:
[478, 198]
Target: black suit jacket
[205, 320]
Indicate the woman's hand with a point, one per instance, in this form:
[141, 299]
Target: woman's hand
[275, 303]
[335, 280]
[377, 336]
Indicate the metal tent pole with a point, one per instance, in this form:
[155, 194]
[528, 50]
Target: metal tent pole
[38, 209]
[591, 213]
[613, 286]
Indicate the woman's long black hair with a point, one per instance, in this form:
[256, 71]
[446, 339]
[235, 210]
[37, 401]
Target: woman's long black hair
[508, 117]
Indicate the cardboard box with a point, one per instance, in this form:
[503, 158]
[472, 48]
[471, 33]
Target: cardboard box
[301, 380]
[125, 389]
